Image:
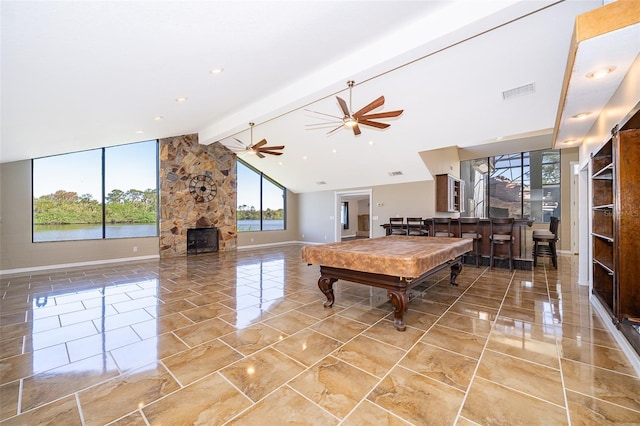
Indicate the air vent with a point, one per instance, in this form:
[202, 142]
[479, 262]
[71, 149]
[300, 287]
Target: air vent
[395, 173]
[527, 89]
[321, 183]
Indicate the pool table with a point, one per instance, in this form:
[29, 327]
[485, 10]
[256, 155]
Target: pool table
[396, 263]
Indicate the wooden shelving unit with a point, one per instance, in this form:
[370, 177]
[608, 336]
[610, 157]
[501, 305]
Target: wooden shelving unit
[602, 224]
[615, 178]
[449, 194]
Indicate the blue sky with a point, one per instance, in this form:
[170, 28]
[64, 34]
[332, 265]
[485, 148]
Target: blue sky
[249, 190]
[131, 166]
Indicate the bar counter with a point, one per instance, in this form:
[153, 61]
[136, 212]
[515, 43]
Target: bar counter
[521, 247]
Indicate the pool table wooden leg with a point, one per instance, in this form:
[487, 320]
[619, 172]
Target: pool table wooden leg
[399, 300]
[326, 286]
[456, 268]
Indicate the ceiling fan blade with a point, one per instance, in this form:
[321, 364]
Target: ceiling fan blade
[337, 128]
[387, 114]
[259, 154]
[344, 107]
[271, 152]
[374, 124]
[356, 130]
[240, 142]
[322, 113]
[259, 144]
[269, 148]
[373, 105]
[321, 125]
[237, 146]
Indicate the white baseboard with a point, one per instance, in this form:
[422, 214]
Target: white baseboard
[128, 259]
[76, 264]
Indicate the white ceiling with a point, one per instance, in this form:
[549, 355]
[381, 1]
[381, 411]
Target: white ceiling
[80, 75]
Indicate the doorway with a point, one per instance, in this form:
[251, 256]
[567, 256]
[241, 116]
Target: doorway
[584, 225]
[352, 215]
[575, 202]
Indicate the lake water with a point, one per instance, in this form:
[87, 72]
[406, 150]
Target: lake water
[92, 232]
[43, 233]
[254, 225]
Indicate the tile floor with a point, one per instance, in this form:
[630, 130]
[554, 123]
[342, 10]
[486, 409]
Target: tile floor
[242, 338]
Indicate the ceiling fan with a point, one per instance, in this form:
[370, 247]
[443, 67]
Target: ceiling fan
[353, 120]
[260, 148]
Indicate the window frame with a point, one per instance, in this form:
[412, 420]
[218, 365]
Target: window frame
[525, 165]
[103, 197]
[262, 178]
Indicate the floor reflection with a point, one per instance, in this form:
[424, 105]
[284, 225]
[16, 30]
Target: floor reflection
[242, 337]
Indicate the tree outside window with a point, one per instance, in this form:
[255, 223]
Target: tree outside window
[73, 205]
[524, 184]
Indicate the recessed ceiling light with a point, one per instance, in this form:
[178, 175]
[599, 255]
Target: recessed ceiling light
[570, 141]
[181, 99]
[370, 142]
[139, 131]
[280, 163]
[334, 150]
[304, 157]
[216, 70]
[581, 116]
[601, 72]
[158, 117]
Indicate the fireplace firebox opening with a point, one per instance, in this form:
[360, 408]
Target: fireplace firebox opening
[202, 240]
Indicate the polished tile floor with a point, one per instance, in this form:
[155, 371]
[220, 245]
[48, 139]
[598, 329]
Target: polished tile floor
[242, 338]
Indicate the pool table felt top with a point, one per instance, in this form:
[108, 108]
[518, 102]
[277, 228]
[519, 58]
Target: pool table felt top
[395, 255]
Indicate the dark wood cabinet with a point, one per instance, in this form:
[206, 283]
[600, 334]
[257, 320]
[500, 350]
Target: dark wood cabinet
[615, 184]
[449, 194]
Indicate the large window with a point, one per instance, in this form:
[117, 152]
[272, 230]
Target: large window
[525, 184]
[102, 193]
[261, 201]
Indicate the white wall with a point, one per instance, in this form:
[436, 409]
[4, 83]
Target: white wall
[409, 199]
[18, 252]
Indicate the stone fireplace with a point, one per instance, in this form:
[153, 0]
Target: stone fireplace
[181, 159]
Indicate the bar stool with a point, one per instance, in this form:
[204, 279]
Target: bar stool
[416, 226]
[501, 233]
[544, 243]
[397, 226]
[442, 227]
[469, 227]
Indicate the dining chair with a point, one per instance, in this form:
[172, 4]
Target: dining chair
[397, 226]
[416, 226]
[544, 243]
[469, 227]
[441, 227]
[501, 234]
